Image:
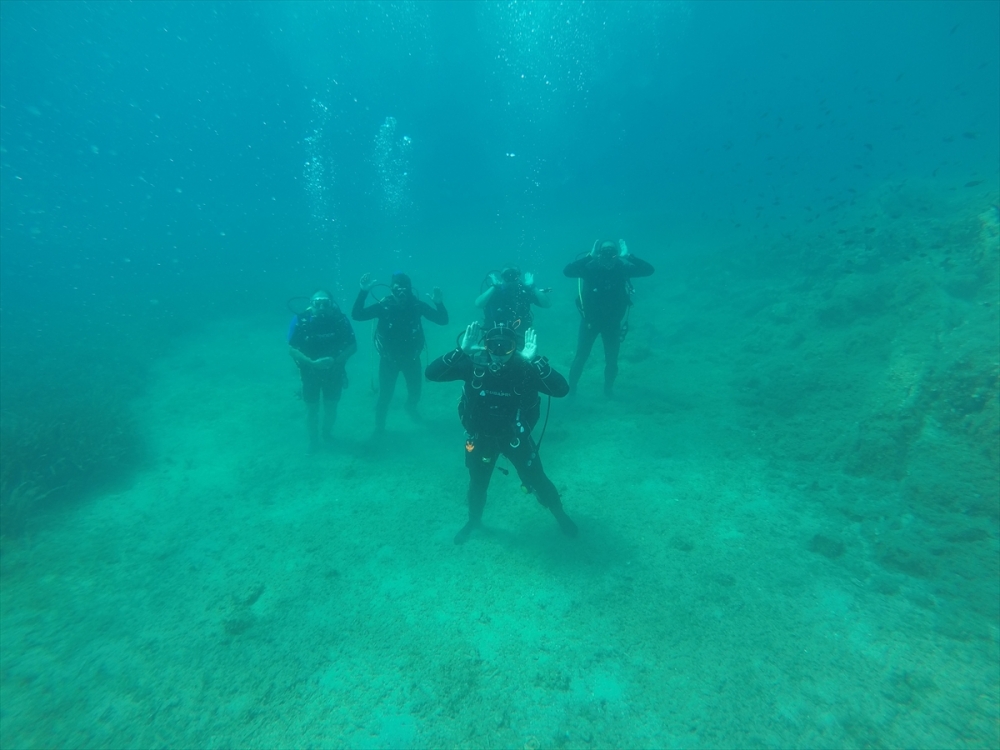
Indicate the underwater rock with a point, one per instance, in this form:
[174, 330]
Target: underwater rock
[240, 618]
[824, 545]
[250, 595]
[682, 544]
[238, 622]
[912, 561]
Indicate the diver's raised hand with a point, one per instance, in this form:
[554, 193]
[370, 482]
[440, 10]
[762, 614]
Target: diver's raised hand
[530, 344]
[367, 282]
[437, 297]
[529, 278]
[623, 248]
[473, 332]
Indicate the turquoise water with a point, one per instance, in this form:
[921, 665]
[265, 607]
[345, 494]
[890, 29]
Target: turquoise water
[788, 512]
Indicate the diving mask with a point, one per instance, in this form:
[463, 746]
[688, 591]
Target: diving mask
[321, 304]
[500, 346]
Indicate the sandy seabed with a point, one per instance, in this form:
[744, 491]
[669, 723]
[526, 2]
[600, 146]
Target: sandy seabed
[243, 592]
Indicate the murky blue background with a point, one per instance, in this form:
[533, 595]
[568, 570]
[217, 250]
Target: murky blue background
[175, 134]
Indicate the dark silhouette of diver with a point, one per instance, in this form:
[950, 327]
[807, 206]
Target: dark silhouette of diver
[399, 338]
[508, 299]
[499, 408]
[604, 300]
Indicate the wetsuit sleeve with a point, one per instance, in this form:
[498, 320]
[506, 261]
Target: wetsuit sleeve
[455, 365]
[436, 314]
[577, 268]
[637, 267]
[360, 312]
[545, 379]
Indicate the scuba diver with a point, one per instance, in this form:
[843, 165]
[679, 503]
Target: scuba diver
[499, 408]
[399, 338]
[320, 341]
[508, 300]
[604, 301]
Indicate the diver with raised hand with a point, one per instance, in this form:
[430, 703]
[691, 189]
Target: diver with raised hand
[498, 409]
[508, 300]
[399, 338]
[605, 296]
[320, 341]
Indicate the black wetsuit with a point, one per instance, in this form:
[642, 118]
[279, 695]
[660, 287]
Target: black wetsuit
[399, 338]
[603, 301]
[498, 411]
[319, 336]
[510, 306]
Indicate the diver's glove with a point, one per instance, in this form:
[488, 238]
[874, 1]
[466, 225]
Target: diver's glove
[529, 279]
[530, 344]
[623, 248]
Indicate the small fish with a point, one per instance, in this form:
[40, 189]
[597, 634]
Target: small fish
[868, 146]
[869, 230]
[970, 135]
[973, 183]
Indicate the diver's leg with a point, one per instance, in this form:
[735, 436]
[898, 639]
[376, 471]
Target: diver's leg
[312, 424]
[480, 462]
[310, 395]
[332, 387]
[584, 342]
[329, 417]
[414, 376]
[533, 478]
[612, 345]
[388, 372]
